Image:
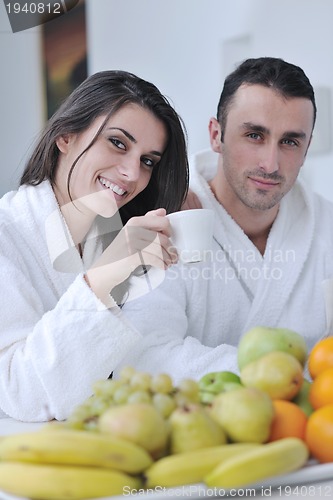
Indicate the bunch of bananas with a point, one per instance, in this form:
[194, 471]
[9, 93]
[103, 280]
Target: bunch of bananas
[56, 464]
[63, 464]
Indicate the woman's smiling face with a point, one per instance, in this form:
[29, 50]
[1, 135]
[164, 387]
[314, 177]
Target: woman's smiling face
[117, 167]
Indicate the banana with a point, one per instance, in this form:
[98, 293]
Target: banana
[75, 448]
[272, 459]
[59, 482]
[192, 466]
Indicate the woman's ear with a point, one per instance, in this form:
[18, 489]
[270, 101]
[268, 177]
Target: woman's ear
[63, 143]
[215, 135]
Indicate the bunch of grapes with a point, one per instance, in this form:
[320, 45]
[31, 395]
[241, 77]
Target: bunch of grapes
[133, 387]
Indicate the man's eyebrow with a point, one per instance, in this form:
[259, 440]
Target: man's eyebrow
[289, 134]
[127, 134]
[255, 128]
[294, 135]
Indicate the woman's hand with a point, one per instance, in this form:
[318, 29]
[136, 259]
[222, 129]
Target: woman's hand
[142, 241]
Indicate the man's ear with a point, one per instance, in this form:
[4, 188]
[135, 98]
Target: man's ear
[63, 143]
[215, 135]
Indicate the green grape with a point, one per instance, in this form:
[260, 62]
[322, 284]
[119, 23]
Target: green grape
[139, 396]
[106, 388]
[126, 373]
[182, 399]
[141, 380]
[161, 382]
[121, 394]
[164, 403]
[98, 405]
[190, 389]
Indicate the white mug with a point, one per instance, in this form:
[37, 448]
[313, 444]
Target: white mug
[192, 233]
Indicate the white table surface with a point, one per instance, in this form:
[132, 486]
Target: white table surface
[308, 484]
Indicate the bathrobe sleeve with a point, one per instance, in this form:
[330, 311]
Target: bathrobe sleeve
[171, 319]
[49, 360]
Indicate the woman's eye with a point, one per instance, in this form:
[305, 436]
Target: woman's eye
[117, 143]
[148, 161]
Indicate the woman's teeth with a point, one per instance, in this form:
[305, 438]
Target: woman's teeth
[116, 189]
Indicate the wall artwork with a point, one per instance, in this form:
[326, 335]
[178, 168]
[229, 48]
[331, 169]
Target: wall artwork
[64, 46]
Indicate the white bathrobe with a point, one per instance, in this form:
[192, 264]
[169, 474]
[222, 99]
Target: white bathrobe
[193, 322]
[56, 337]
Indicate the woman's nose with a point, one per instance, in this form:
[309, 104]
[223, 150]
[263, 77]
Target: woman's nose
[130, 168]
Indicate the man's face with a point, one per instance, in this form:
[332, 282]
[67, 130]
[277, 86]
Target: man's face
[265, 143]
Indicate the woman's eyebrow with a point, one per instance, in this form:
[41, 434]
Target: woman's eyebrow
[128, 135]
[131, 138]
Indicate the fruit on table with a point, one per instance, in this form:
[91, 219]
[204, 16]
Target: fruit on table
[302, 398]
[192, 428]
[58, 482]
[74, 448]
[192, 466]
[139, 423]
[321, 390]
[262, 339]
[279, 457]
[321, 357]
[245, 414]
[278, 373]
[319, 434]
[289, 421]
[133, 387]
[214, 382]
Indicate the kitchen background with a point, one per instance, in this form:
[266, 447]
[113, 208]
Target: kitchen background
[185, 47]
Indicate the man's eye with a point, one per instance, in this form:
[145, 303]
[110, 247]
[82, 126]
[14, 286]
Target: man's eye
[117, 143]
[290, 142]
[254, 135]
[148, 161]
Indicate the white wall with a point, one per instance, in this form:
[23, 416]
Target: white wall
[21, 95]
[185, 47]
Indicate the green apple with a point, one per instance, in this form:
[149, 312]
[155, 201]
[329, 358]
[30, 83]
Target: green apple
[215, 382]
[245, 414]
[302, 398]
[262, 339]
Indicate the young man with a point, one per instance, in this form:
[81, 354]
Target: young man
[273, 238]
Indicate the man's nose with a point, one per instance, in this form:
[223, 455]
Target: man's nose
[269, 161]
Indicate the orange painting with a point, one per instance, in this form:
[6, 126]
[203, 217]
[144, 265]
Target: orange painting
[64, 44]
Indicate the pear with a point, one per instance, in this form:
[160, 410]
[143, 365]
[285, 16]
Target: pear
[302, 398]
[139, 423]
[245, 414]
[277, 373]
[192, 428]
[262, 339]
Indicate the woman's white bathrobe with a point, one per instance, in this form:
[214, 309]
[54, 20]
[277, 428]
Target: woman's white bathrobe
[192, 323]
[56, 337]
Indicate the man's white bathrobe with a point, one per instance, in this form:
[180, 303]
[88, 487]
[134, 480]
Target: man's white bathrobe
[56, 337]
[193, 322]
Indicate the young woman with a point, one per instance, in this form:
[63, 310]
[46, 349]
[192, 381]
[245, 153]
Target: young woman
[114, 154]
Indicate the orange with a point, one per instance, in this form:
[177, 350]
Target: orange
[289, 420]
[319, 434]
[321, 357]
[321, 390]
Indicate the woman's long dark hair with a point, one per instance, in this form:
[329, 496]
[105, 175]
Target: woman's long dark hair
[104, 93]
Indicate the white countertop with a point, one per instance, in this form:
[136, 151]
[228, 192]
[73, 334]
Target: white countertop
[307, 484]
[11, 426]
